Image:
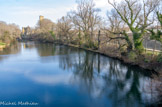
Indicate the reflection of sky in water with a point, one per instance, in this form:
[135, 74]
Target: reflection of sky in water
[39, 69]
[58, 75]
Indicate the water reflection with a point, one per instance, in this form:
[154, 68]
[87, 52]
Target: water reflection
[10, 50]
[117, 82]
[102, 76]
[94, 77]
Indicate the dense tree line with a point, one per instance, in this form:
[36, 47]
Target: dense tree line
[8, 32]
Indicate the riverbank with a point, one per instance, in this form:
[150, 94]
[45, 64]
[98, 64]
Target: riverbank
[152, 66]
[2, 46]
[140, 61]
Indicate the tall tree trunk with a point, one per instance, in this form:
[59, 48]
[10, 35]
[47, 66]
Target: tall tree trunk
[138, 42]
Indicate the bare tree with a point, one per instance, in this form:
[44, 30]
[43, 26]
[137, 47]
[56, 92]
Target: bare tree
[114, 21]
[64, 27]
[136, 14]
[45, 25]
[114, 29]
[86, 18]
[45, 30]
[8, 32]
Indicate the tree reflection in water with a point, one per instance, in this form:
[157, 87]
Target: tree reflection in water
[97, 75]
[14, 48]
[101, 76]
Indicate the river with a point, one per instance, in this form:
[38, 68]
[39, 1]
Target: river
[50, 75]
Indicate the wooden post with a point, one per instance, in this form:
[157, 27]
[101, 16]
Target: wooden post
[79, 37]
[99, 34]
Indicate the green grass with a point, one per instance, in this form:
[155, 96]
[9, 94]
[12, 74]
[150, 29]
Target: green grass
[151, 52]
[2, 44]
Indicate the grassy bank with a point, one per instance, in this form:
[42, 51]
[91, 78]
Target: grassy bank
[2, 45]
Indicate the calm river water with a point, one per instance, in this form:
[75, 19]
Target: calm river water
[51, 75]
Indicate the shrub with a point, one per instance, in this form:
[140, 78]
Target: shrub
[53, 35]
[146, 60]
[75, 42]
[159, 58]
[132, 55]
[91, 45]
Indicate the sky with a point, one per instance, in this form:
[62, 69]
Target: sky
[26, 12]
